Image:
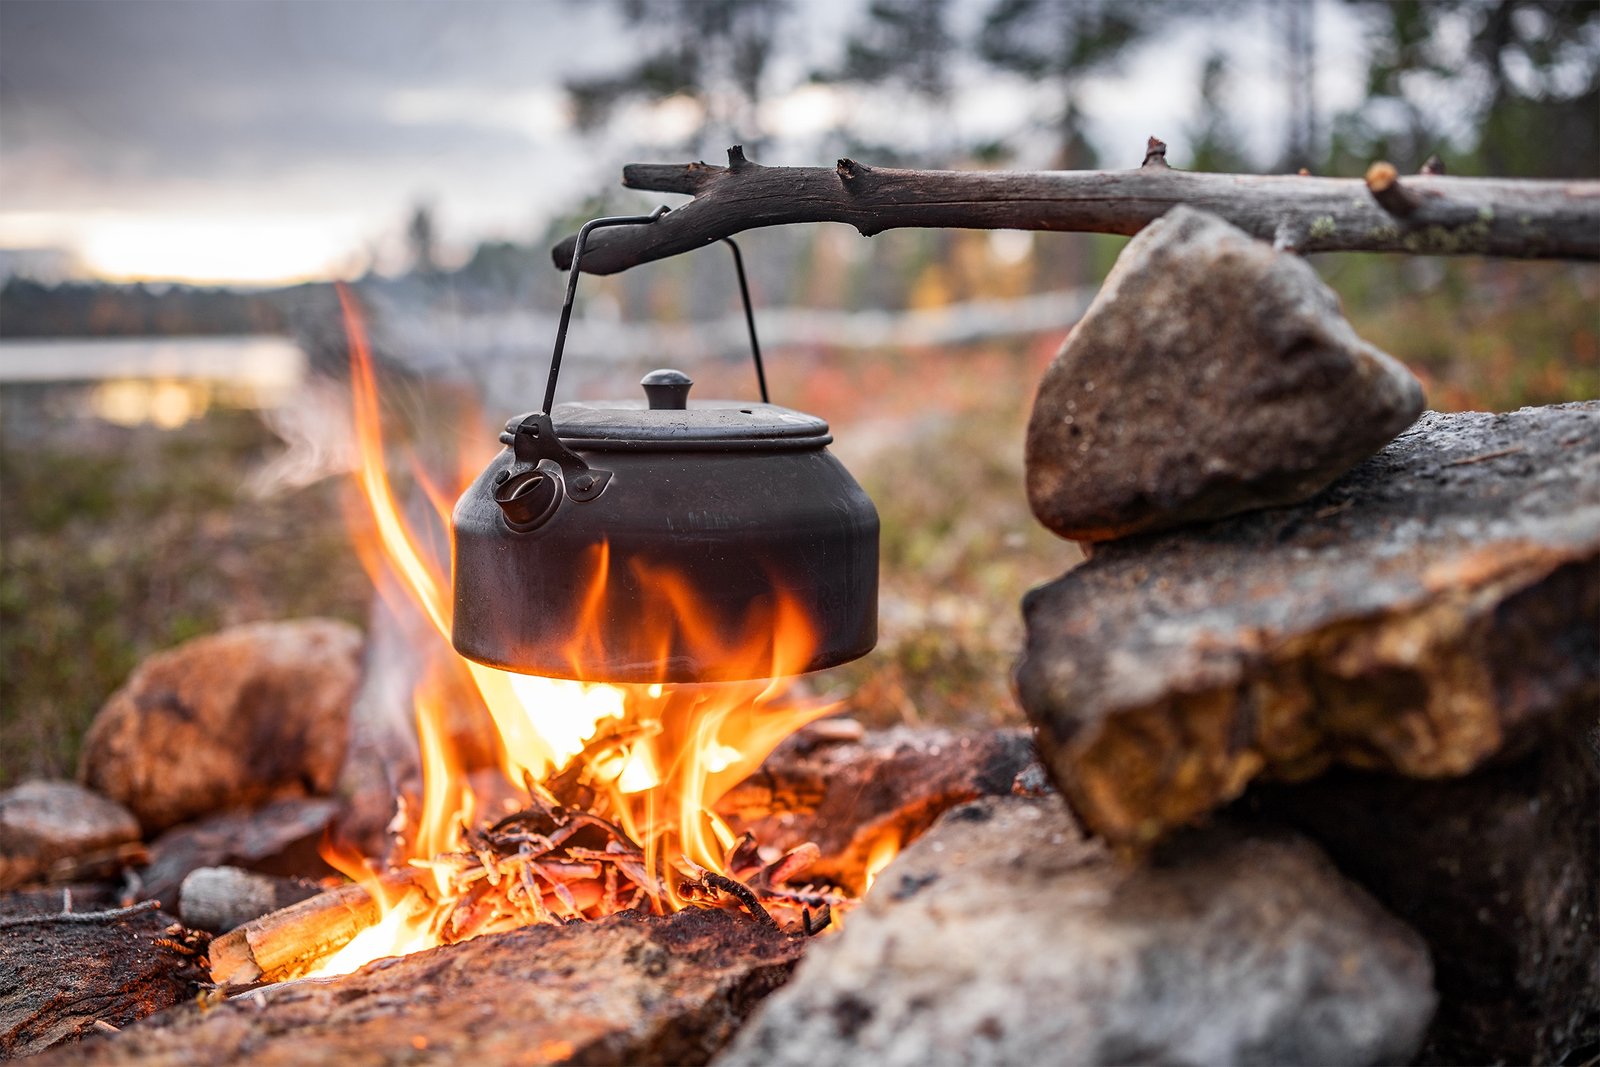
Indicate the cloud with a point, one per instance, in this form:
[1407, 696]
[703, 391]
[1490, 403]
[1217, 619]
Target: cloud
[119, 105]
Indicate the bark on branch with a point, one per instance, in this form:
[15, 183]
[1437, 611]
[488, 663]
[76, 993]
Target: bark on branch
[1427, 213]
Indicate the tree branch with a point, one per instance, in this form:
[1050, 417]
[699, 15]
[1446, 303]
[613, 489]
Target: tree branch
[1428, 214]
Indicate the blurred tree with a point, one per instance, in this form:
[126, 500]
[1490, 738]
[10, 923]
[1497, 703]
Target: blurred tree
[1060, 44]
[713, 52]
[1505, 87]
[423, 237]
[906, 45]
[908, 41]
[1542, 60]
[1300, 54]
[1214, 140]
[504, 267]
[31, 309]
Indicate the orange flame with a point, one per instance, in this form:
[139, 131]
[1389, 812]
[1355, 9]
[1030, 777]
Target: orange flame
[883, 850]
[673, 750]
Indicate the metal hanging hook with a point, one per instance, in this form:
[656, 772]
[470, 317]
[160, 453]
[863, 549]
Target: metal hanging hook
[572, 292]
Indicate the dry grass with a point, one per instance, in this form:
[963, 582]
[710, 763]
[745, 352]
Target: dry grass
[131, 541]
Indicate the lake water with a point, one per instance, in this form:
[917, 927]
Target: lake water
[160, 381]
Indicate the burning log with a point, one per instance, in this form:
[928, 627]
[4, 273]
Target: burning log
[1429, 214]
[858, 802]
[546, 863]
[292, 941]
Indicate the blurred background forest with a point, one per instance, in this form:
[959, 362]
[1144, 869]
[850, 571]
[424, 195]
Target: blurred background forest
[180, 186]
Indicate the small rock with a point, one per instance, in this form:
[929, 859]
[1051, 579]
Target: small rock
[1434, 608]
[43, 822]
[218, 899]
[1004, 937]
[239, 718]
[1212, 375]
[281, 838]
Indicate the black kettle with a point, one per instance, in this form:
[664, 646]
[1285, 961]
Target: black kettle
[664, 539]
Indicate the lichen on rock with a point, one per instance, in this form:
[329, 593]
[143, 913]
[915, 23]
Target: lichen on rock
[1431, 610]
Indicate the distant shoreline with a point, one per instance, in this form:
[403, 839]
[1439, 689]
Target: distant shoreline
[262, 360]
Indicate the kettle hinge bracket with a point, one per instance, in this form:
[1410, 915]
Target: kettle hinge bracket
[532, 438]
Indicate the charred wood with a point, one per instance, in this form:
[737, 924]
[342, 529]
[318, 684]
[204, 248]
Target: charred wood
[852, 798]
[628, 989]
[72, 973]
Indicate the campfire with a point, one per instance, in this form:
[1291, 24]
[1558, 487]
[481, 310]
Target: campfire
[605, 793]
[627, 823]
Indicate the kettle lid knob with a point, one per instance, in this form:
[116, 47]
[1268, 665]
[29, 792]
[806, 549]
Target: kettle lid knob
[667, 389]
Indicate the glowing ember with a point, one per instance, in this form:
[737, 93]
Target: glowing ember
[608, 790]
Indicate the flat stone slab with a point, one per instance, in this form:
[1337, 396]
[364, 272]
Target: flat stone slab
[628, 989]
[279, 838]
[1004, 936]
[1433, 608]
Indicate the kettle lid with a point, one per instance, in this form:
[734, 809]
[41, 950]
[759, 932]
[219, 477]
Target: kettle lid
[670, 422]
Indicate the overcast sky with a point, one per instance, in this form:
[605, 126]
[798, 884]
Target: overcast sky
[266, 140]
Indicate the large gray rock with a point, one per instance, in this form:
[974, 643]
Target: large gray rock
[253, 714]
[43, 822]
[1210, 376]
[1434, 608]
[1500, 873]
[1004, 937]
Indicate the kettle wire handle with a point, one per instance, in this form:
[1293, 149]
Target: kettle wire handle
[572, 291]
[749, 318]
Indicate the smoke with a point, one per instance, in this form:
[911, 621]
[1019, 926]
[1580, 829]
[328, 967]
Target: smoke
[315, 425]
